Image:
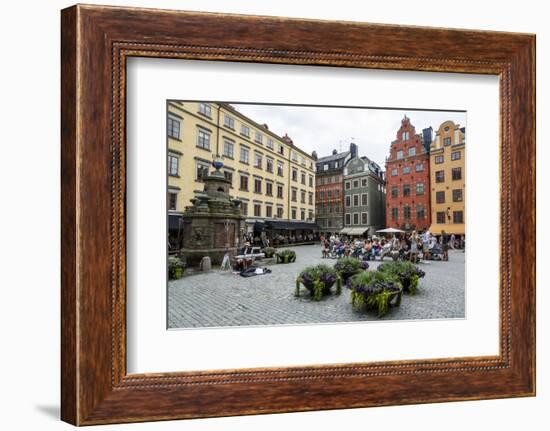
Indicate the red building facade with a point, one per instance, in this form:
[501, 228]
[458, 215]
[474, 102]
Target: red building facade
[329, 190]
[408, 180]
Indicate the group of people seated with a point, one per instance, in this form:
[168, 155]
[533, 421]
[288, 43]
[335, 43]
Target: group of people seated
[413, 247]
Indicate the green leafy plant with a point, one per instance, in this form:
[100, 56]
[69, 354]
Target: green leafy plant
[375, 289]
[408, 274]
[286, 256]
[349, 266]
[269, 252]
[318, 280]
[175, 268]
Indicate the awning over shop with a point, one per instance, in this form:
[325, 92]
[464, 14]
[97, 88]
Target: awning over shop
[449, 228]
[354, 231]
[290, 225]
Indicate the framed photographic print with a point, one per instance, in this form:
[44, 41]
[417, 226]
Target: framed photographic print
[287, 215]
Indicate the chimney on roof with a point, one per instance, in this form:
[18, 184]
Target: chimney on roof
[314, 155]
[334, 152]
[287, 139]
[353, 150]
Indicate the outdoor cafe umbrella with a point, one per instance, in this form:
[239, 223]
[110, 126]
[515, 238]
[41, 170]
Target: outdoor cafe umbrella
[390, 230]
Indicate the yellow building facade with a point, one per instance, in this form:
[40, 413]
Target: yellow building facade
[447, 179]
[274, 178]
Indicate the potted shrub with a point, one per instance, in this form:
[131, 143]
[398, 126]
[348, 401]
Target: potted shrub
[318, 280]
[375, 289]
[269, 252]
[286, 256]
[349, 266]
[408, 274]
[175, 268]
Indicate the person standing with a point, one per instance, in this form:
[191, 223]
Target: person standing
[414, 247]
[445, 245]
[426, 245]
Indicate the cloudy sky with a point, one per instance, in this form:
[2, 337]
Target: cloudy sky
[326, 128]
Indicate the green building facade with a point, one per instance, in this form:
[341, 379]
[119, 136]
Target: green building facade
[364, 197]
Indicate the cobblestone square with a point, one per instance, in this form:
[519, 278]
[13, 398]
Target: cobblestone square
[221, 298]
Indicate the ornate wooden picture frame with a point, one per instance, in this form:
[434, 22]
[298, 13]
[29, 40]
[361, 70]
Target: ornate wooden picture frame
[96, 42]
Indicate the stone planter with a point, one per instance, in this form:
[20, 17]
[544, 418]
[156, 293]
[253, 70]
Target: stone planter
[285, 258]
[375, 290]
[318, 281]
[269, 252]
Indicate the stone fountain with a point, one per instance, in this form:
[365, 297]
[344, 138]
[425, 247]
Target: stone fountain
[212, 225]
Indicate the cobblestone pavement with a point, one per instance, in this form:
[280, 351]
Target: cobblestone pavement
[217, 298]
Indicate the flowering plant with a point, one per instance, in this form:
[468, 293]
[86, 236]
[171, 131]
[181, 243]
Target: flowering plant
[286, 256]
[375, 289]
[269, 251]
[349, 266]
[408, 274]
[318, 280]
[175, 267]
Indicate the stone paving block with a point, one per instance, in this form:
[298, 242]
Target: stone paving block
[219, 299]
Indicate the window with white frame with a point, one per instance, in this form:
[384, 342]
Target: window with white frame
[355, 218]
[412, 151]
[364, 218]
[205, 109]
[348, 218]
[399, 154]
[269, 143]
[203, 139]
[173, 127]
[244, 155]
[245, 130]
[173, 165]
[405, 136]
[280, 168]
[258, 160]
[229, 122]
[228, 148]
[364, 199]
[202, 170]
[258, 138]
[172, 200]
